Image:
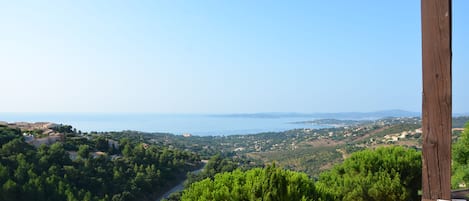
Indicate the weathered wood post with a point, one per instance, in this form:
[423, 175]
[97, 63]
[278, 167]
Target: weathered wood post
[436, 99]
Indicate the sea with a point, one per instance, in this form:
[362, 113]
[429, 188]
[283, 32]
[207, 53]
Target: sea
[195, 124]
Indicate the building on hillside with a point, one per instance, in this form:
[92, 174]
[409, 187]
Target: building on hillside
[36, 142]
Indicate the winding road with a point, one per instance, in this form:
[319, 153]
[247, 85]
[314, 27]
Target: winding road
[180, 186]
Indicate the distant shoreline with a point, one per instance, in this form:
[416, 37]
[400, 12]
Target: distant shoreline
[196, 125]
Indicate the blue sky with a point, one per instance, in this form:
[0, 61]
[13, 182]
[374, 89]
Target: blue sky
[219, 56]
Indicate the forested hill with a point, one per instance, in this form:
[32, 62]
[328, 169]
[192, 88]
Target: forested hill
[308, 150]
[385, 173]
[45, 161]
[87, 168]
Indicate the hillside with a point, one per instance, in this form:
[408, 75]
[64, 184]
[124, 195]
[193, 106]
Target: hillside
[133, 163]
[307, 150]
[86, 167]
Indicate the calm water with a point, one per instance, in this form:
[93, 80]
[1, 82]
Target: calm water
[202, 125]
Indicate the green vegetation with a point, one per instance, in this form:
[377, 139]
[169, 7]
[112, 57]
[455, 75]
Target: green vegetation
[268, 184]
[460, 167]
[391, 173]
[49, 173]
[459, 122]
[8, 134]
[307, 150]
[309, 159]
[131, 165]
[219, 164]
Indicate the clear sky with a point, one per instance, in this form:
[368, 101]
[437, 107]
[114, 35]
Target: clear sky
[214, 56]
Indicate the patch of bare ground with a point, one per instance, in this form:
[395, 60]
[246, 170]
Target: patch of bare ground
[367, 135]
[255, 156]
[324, 143]
[343, 153]
[327, 166]
[408, 143]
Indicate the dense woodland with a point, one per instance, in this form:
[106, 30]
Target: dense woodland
[49, 173]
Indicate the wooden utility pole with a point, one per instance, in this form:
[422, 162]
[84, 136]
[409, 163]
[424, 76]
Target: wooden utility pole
[436, 99]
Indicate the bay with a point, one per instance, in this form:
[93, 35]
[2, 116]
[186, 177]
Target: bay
[195, 124]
